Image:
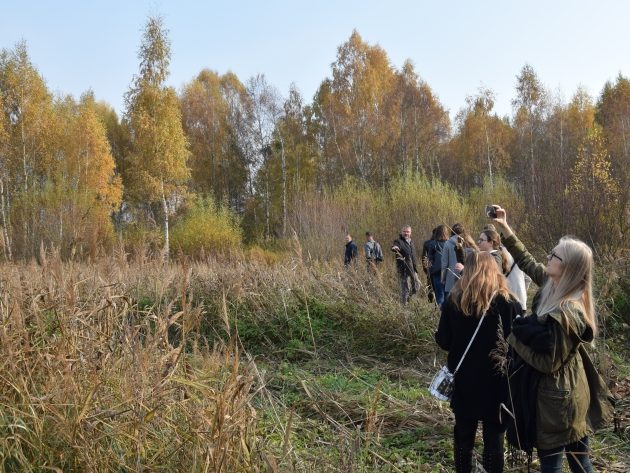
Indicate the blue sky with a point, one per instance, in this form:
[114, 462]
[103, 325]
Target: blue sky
[456, 46]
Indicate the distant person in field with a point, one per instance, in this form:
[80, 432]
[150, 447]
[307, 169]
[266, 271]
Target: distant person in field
[436, 252]
[373, 251]
[426, 246]
[405, 253]
[480, 388]
[351, 252]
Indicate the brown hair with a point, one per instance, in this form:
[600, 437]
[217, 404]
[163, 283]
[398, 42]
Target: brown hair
[480, 282]
[494, 238]
[441, 233]
[458, 229]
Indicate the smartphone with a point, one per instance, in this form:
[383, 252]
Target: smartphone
[490, 212]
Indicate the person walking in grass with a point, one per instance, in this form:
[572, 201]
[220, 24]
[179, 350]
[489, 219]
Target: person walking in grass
[434, 257]
[405, 252]
[426, 247]
[455, 250]
[351, 251]
[373, 251]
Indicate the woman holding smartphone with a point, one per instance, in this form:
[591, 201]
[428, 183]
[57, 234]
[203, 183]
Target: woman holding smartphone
[549, 341]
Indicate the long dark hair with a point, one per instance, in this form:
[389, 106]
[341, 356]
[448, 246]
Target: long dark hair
[441, 233]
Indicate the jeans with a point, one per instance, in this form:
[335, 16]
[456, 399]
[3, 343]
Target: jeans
[464, 436]
[408, 287]
[577, 456]
[438, 288]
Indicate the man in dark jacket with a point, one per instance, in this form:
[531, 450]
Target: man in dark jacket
[351, 251]
[405, 253]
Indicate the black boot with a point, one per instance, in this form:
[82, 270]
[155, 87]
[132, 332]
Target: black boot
[493, 462]
[463, 459]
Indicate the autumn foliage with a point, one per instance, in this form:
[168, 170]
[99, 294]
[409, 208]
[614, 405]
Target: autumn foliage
[373, 149]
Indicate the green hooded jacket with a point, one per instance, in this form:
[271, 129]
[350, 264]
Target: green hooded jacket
[573, 399]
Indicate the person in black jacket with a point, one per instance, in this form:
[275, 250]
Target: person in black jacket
[351, 252]
[481, 296]
[426, 247]
[405, 253]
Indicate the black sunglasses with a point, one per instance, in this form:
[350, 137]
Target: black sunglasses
[554, 255]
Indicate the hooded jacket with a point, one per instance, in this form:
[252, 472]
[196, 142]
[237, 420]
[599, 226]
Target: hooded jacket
[571, 398]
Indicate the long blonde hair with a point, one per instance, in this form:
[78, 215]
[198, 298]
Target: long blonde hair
[480, 282]
[574, 288]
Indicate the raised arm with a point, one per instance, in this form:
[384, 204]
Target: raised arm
[523, 258]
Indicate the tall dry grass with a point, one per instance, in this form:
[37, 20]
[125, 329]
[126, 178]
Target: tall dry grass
[115, 366]
[89, 381]
[144, 366]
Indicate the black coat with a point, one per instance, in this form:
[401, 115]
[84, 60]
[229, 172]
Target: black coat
[435, 256]
[407, 265]
[351, 252]
[479, 386]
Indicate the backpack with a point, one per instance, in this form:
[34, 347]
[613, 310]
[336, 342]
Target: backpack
[377, 252]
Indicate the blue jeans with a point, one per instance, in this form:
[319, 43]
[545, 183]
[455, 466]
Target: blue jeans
[577, 456]
[438, 288]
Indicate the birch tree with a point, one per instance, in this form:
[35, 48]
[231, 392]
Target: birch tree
[157, 168]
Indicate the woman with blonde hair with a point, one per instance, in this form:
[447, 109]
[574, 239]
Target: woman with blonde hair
[481, 303]
[563, 398]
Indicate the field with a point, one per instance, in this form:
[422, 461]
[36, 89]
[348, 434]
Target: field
[236, 365]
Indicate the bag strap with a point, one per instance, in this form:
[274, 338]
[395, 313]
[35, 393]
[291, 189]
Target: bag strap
[511, 268]
[483, 316]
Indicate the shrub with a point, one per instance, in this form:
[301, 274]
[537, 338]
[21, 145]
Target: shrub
[206, 228]
[142, 241]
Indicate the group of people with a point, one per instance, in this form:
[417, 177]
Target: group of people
[529, 375]
[442, 260]
[371, 248]
[444, 255]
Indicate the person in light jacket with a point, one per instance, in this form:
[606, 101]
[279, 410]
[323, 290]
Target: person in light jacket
[455, 250]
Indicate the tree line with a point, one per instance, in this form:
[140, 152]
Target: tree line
[74, 175]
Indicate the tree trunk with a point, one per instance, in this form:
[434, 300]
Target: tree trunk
[284, 188]
[489, 159]
[532, 167]
[166, 249]
[5, 234]
[267, 206]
